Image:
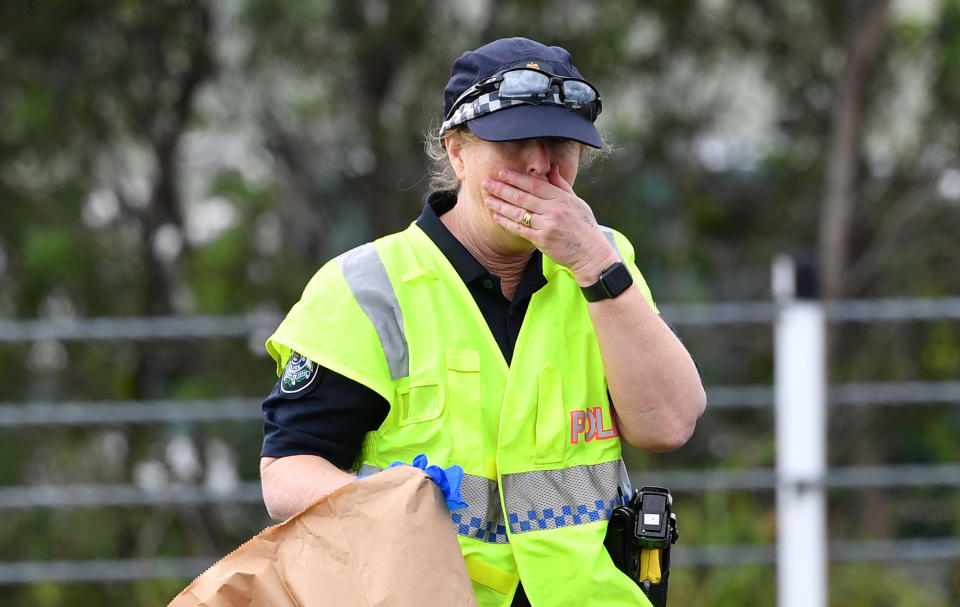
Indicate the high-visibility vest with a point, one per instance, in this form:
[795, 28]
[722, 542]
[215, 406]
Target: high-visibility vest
[536, 439]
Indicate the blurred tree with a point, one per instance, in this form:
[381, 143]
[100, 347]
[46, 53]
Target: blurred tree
[868, 24]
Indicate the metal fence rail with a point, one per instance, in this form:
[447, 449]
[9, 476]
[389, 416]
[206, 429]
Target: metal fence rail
[95, 413]
[765, 479]
[904, 393]
[679, 481]
[841, 551]
[101, 570]
[894, 309]
[860, 310]
[96, 496]
[723, 313]
[111, 412]
[128, 570]
[137, 328]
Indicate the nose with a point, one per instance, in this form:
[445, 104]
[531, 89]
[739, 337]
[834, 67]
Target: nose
[536, 156]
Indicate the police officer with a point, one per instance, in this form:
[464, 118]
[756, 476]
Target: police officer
[505, 331]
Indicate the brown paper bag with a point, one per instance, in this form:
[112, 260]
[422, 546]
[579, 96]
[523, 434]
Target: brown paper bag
[384, 540]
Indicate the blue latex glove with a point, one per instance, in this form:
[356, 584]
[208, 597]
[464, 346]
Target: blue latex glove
[448, 479]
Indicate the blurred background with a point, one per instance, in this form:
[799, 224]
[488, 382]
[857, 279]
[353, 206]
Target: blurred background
[173, 172]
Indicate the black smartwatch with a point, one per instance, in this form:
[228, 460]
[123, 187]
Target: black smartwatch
[612, 282]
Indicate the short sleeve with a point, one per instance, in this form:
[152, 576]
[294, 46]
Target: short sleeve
[324, 414]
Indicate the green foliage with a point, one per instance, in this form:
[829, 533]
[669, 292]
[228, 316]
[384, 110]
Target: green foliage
[941, 354]
[854, 585]
[724, 587]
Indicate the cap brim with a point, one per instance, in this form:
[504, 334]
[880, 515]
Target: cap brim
[532, 121]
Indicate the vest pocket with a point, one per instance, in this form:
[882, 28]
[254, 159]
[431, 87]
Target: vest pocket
[465, 388]
[464, 361]
[551, 416]
[422, 401]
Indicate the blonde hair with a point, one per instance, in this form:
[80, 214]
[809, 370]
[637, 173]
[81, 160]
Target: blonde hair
[441, 174]
[440, 171]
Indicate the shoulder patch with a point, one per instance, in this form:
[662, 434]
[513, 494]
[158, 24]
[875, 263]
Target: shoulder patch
[298, 374]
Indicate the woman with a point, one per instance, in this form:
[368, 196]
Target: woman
[504, 331]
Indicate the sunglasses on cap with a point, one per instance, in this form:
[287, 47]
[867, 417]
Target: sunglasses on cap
[534, 86]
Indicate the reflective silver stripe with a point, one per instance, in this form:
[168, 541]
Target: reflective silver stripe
[608, 233]
[549, 499]
[482, 519]
[626, 487]
[368, 280]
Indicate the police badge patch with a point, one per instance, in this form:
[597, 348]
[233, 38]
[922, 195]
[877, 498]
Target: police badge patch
[298, 374]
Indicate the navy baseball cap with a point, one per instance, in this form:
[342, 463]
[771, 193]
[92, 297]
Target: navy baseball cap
[502, 122]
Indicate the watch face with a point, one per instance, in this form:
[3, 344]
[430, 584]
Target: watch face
[616, 279]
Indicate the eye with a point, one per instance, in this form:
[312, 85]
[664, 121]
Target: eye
[511, 148]
[564, 147]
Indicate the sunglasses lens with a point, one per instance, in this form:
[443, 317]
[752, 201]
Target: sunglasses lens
[525, 84]
[532, 86]
[578, 92]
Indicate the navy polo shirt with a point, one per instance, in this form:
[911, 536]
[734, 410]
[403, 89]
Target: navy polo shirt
[331, 416]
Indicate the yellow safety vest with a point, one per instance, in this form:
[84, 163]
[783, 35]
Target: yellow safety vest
[536, 439]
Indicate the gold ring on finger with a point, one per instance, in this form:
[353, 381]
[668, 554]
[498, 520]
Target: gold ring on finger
[526, 219]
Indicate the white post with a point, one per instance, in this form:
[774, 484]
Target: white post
[800, 405]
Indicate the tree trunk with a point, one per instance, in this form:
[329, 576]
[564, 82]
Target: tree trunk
[867, 31]
[867, 28]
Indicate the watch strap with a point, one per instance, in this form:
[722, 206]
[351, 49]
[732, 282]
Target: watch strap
[612, 282]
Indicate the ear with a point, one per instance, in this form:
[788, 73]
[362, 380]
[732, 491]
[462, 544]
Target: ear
[455, 150]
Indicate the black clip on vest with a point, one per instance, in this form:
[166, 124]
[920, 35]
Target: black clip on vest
[646, 523]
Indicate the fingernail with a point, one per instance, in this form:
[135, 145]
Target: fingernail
[486, 184]
[503, 173]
